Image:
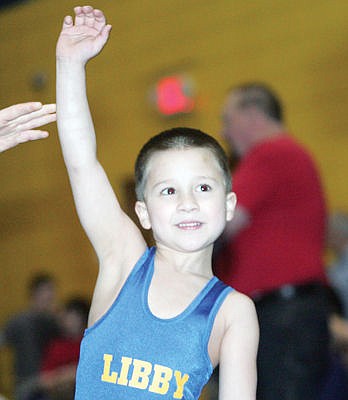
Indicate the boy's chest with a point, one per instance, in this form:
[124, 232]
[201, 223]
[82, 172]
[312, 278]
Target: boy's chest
[169, 296]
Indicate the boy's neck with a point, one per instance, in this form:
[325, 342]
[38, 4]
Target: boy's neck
[198, 263]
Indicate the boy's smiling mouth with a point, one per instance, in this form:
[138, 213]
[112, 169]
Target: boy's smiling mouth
[190, 225]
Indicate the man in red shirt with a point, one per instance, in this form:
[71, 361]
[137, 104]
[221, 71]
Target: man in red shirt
[274, 245]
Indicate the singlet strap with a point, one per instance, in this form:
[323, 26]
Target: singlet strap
[142, 265]
[211, 304]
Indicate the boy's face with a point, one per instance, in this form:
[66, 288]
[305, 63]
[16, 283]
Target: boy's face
[186, 204]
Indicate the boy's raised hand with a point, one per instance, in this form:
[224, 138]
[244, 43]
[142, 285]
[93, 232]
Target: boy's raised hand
[82, 39]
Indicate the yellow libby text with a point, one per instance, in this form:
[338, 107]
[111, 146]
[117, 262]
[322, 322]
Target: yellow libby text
[144, 376]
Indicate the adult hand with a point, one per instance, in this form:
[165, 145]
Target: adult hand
[18, 123]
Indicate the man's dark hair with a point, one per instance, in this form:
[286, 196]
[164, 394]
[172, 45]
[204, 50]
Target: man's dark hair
[260, 96]
[39, 280]
[78, 305]
[178, 138]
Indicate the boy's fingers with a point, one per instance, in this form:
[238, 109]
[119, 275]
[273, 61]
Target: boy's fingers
[90, 18]
[87, 9]
[100, 19]
[106, 31]
[68, 21]
[79, 16]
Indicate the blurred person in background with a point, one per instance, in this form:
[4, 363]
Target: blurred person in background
[28, 332]
[338, 277]
[336, 385]
[58, 368]
[338, 269]
[272, 249]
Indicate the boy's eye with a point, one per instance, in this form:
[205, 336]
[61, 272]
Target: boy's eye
[204, 188]
[168, 191]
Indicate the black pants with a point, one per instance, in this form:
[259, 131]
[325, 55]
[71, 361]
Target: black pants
[294, 345]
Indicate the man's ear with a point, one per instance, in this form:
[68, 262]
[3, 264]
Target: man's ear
[143, 215]
[231, 201]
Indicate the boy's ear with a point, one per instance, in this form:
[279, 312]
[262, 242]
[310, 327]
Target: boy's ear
[231, 201]
[143, 215]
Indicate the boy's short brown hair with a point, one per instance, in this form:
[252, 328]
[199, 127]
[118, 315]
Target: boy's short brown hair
[178, 138]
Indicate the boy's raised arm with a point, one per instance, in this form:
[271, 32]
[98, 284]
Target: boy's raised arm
[96, 203]
[78, 42]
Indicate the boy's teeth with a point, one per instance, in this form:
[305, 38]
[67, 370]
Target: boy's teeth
[189, 224]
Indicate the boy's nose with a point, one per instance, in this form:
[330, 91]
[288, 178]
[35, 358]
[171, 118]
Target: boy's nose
[187, 202]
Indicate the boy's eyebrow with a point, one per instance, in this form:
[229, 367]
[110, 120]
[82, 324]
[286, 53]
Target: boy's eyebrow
[164, 182]
[207, 177]
[173, 181]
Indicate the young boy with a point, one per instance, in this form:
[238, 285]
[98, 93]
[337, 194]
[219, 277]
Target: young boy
[159, 321]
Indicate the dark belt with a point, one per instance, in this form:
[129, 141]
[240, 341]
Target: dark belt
[288, 291]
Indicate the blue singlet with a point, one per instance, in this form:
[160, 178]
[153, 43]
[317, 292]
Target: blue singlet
[130, 354]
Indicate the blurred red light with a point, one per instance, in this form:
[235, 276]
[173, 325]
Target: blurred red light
[172, 97]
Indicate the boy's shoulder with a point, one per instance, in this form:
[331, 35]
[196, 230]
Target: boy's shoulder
[236, 323]
[236, 307]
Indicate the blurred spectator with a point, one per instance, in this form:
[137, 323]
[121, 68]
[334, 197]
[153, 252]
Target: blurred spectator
[336, 385]
[338, 270]
[273, 248]
[58, 369]
[338, 278]
[28, 332]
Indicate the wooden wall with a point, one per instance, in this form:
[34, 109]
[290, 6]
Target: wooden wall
[299, 47]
